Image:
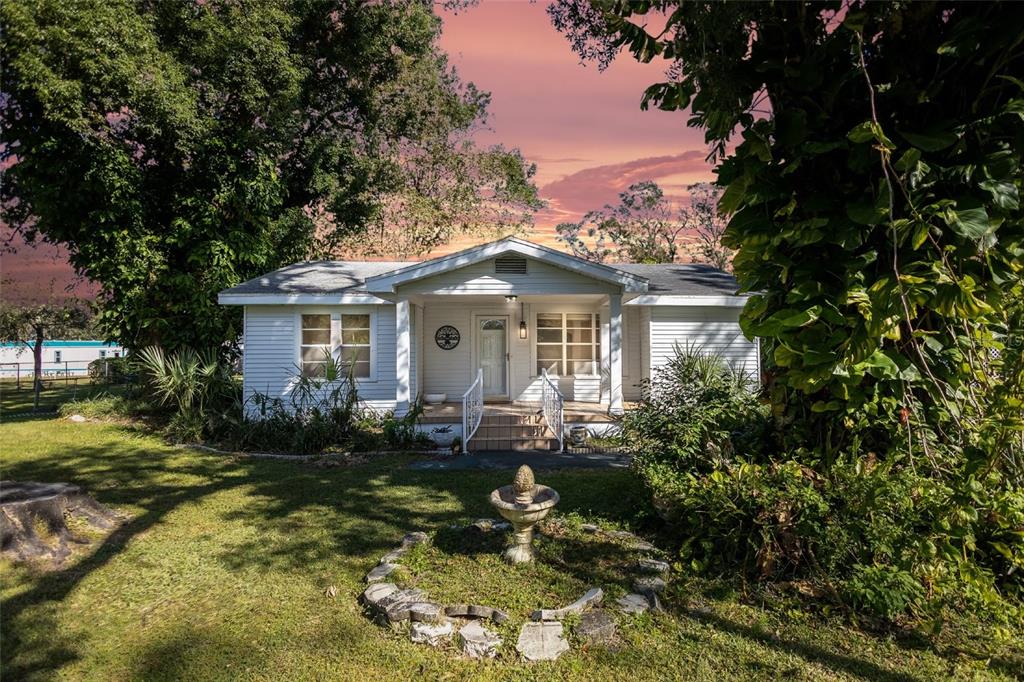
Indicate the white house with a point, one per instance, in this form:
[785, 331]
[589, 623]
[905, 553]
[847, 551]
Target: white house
[60, 357]
[508, 328]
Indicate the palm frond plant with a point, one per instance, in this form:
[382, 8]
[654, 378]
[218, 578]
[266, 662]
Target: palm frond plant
[196, 385]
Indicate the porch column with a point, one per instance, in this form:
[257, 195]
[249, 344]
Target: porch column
[615, 353]
[403, 355]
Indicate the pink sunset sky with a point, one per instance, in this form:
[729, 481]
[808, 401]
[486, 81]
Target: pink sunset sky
[583, 128]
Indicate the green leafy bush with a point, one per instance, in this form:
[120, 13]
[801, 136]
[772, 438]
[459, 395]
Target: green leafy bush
[197, 387]
[322, 414]
[893, 536]
[112, 370]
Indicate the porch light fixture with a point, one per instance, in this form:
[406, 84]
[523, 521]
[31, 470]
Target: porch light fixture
[522, 323]
[511, 299]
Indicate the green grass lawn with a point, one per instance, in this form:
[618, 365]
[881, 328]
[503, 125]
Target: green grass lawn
[16, 401]
[221, 571]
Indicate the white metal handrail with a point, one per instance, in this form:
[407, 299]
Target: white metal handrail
[472, 409]
[553, 408]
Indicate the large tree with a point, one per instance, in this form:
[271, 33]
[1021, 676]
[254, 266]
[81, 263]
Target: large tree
[875, 200]
[176, 148]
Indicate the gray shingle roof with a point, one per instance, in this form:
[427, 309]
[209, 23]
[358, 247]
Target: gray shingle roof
[683, 279]
[336, 277]
[317, 277]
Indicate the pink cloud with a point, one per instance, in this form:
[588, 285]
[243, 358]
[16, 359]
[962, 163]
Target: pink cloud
[592, 188]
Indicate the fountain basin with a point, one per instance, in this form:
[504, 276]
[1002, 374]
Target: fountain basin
[523, 516]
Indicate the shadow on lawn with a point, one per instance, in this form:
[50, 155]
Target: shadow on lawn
[339, 519]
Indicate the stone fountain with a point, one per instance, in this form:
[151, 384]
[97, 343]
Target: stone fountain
[523, 504]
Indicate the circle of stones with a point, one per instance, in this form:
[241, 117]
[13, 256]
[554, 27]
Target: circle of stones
[540, 639]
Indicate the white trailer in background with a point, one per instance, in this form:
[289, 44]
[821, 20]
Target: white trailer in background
[61, 358]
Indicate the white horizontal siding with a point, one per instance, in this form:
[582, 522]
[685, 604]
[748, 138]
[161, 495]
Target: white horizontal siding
[480, 278]
[712, 329]
[271, 353]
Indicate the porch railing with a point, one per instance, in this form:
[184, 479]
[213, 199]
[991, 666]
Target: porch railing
[553, 407]
[472, 409]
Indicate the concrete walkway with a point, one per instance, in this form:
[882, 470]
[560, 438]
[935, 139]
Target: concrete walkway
[513, 460]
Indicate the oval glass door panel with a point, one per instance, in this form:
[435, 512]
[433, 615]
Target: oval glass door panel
[492, 350]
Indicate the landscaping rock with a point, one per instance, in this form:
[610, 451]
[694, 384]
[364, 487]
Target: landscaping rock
[393, 556]
[476, 611]
[397, 606]
[478, 641]
[653, 566]
[432, 634]
[373, 594]
[589, 528]
[542, 641]
[596, 627]
[649, 586]
[426, 612]
[379, 572]
[633, 603]
[593, 597]
[77, 418]
[413, 539]
[641, 546]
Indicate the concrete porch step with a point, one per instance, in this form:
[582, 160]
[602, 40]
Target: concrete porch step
[512, 431]
[478, 444]
[511, 419]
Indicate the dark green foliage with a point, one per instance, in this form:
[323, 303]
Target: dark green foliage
[178, 148]
[875, 200]
[112, 370]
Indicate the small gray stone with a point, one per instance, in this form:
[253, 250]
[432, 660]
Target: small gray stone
[393, 556]
[426, 612]
[476, 611]
[478, 641]
[542, 641]
[642, 546]
[592, 597]
[397, 607]
[432, 634]
[413, 539]
[379, 572]
[501, 525]
[596, 627]
[633, 603]
[374, 593]
[77, 418]
[653, 566]
[650, 585]
[589, 528]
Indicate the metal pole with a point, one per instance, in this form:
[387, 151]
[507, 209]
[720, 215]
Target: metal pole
[17, 374]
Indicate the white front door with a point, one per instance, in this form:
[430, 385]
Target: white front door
[492, 352]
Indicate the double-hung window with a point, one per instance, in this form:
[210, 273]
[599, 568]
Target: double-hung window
[354, 352]
[569, 344]
[344, 340]
[315, 351]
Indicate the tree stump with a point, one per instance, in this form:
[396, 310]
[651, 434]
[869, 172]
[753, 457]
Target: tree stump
[34, 516]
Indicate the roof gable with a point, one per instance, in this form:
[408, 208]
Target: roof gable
[386, 283]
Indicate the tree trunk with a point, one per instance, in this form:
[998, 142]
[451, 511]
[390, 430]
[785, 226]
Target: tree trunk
[33, 519]
[37, 369]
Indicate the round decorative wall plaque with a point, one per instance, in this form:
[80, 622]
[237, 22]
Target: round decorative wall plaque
[447, 337]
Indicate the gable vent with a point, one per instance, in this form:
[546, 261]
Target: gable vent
[510, 265]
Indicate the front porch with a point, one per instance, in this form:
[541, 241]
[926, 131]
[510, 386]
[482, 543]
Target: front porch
[575, 412]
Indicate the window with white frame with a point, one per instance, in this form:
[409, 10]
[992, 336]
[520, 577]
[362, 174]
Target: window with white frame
[103, 354]
[56, 356]
[569, 344]
[355, 344]
[315, 349]
[350, 346]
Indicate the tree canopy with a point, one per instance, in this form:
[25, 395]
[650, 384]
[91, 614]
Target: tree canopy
[177, 148]
[874, 193]
[648, 227]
